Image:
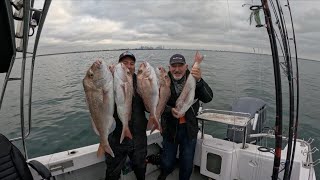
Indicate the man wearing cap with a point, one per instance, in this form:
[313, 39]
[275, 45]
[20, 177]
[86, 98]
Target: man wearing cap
[135, 148]
[181, 130]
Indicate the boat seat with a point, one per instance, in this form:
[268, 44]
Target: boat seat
[251, 106]
[13, 165]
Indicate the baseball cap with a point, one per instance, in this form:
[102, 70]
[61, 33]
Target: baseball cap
[127, 54]
[177, 58]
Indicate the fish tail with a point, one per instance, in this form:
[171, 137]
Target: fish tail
[125, 133]
[154, 123]
[150, 123]
[198, 60]
[104, 148]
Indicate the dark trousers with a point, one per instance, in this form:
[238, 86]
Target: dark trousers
[186, 154]
[136, 149]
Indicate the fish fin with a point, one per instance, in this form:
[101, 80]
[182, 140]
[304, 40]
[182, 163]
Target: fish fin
[111, 67]
[125, 133]
[154, 123]
[154, 128]
[198, 57]
[105, 95]
[108, 149]
[150, 124]
[113, 126]
[194, 101]
[125, 89]
[100, 151]
[103, 149]
[94, 127]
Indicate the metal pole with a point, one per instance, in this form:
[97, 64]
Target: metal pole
[244, 137]
[202, 130]
[26, 16]
[41, 22]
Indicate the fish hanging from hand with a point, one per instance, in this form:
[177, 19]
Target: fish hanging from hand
[98, 87]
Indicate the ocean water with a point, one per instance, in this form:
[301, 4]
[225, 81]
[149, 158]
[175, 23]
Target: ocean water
[61, 120]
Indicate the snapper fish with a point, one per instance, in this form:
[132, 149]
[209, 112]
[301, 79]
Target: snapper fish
[164, 90]
[148, 89]
[186, 98]
[98, 87]
[123, 90]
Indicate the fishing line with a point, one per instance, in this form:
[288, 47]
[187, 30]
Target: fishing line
[277, 22]
[285, 31]
[257, 158]
[279, 27]
[281, 48]
[287, 68]
[297, 90]
[283, 44]
[294, 122]
[236, 95]
[291, 91]
[278, 89]
[258, 153]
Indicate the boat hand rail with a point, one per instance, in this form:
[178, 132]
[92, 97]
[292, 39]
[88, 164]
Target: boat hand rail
[307, 152]
[226, 117]
[24, 41]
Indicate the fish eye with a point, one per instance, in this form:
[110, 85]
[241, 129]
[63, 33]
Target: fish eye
[91, 75]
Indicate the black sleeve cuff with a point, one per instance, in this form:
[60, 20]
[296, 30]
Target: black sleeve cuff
[199, 83]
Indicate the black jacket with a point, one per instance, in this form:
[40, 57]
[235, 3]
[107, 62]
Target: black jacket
[138, 122]
[170, 124]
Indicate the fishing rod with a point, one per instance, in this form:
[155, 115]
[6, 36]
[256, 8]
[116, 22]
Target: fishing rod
[284, 44]
[297, 92]
[278, 89]
[293, 123]
[289, 73]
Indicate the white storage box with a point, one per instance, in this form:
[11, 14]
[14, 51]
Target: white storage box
[216, 158]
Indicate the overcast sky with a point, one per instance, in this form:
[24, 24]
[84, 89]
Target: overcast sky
[193, 24]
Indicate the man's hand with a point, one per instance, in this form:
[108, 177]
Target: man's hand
[196, 73]
[176, 114]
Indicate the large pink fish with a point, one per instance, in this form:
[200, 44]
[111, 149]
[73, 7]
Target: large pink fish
[186, 98]
[148, 88]
[123, 90]
[164, 91]
[98, 87]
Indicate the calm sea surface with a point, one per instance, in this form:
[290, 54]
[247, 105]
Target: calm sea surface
[61, 120]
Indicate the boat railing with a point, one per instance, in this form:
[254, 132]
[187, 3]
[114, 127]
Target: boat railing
[309, 161]
[240, 120]
[27, 18]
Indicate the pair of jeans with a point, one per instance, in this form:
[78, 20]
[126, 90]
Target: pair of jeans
[186, 153]
[136, 149]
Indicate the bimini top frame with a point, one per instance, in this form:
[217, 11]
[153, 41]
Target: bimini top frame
[27, 18]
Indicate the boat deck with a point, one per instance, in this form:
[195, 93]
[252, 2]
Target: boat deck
[173, 176]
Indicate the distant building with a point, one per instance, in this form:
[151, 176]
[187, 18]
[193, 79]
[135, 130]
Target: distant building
[150, 47]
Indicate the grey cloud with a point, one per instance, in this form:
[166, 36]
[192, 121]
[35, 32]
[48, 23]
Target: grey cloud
[192, 24]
